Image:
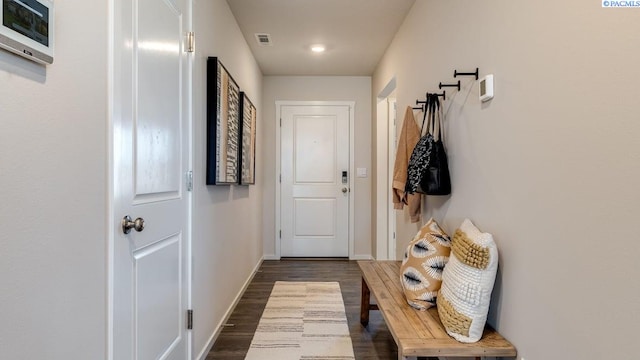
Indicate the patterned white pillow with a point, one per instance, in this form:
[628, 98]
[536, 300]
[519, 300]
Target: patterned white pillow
[467, 283]
[421, 269]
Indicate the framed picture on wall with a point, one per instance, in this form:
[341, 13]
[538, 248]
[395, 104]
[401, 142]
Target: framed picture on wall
[247, 141]
[223, 125]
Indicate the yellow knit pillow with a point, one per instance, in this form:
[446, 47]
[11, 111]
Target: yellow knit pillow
[424, 260]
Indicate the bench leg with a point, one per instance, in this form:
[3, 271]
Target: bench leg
[364, 304]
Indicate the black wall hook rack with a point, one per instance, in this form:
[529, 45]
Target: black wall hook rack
[443, 95]
[423, 103]
[441, 85]
[456, 73]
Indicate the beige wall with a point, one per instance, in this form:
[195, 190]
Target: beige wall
[358, 89]
[53, 183]
[227, 220]
[549, 166]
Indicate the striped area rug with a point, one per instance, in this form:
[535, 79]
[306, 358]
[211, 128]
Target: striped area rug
[303, 321]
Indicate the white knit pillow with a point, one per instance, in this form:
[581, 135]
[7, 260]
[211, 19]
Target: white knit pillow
[467, 282]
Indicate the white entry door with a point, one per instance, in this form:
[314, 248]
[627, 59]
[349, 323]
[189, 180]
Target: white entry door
[151, 145]
[315, 181]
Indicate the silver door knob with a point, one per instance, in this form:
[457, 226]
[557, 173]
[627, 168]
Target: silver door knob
[128, 224]
[344, 190]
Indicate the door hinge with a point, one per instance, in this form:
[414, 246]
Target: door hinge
[280, 178]
[280, 234]
[189, 319]
[191, 42]
[280, 122]
[189, 180]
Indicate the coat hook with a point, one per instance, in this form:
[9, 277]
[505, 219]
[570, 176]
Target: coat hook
[456, 73]
[441, 85]
[443, 95]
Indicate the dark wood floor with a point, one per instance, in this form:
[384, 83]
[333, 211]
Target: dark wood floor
[373, 342]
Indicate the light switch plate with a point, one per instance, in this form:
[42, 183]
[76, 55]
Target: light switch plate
[361, 172]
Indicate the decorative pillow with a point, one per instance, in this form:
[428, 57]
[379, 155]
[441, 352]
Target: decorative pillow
[421, 270]
[467, 282]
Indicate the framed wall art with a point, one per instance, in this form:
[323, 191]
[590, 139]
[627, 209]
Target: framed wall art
[247, 141]
[223, 125]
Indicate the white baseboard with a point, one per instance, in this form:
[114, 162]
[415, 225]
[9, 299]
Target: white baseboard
[361, 257]
[203, 353]
[354, 257]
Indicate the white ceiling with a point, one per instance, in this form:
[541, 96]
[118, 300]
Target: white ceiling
[355, 32]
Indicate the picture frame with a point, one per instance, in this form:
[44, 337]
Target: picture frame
[247, 140]
[223, 125]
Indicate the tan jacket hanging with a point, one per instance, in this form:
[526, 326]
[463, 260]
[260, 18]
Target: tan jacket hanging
[409, 136]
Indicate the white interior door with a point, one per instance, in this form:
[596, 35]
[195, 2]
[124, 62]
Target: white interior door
[151, 120]
[391, 159]
[314, 192]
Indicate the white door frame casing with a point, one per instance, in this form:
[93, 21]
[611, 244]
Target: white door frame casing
[391, 160]
[352, 106]
[385, 152]
[382, 109]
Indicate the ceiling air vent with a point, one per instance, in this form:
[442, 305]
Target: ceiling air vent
[264, 39]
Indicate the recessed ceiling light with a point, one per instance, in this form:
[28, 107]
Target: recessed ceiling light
[317, 48]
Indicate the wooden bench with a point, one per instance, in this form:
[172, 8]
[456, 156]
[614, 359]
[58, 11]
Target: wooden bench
[418, 333]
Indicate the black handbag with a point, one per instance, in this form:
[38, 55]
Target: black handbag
[428, 170]
[420, 155]
[436, 180]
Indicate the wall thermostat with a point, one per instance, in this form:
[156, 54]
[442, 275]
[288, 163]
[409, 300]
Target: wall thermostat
[27, 29]
[486, 88]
